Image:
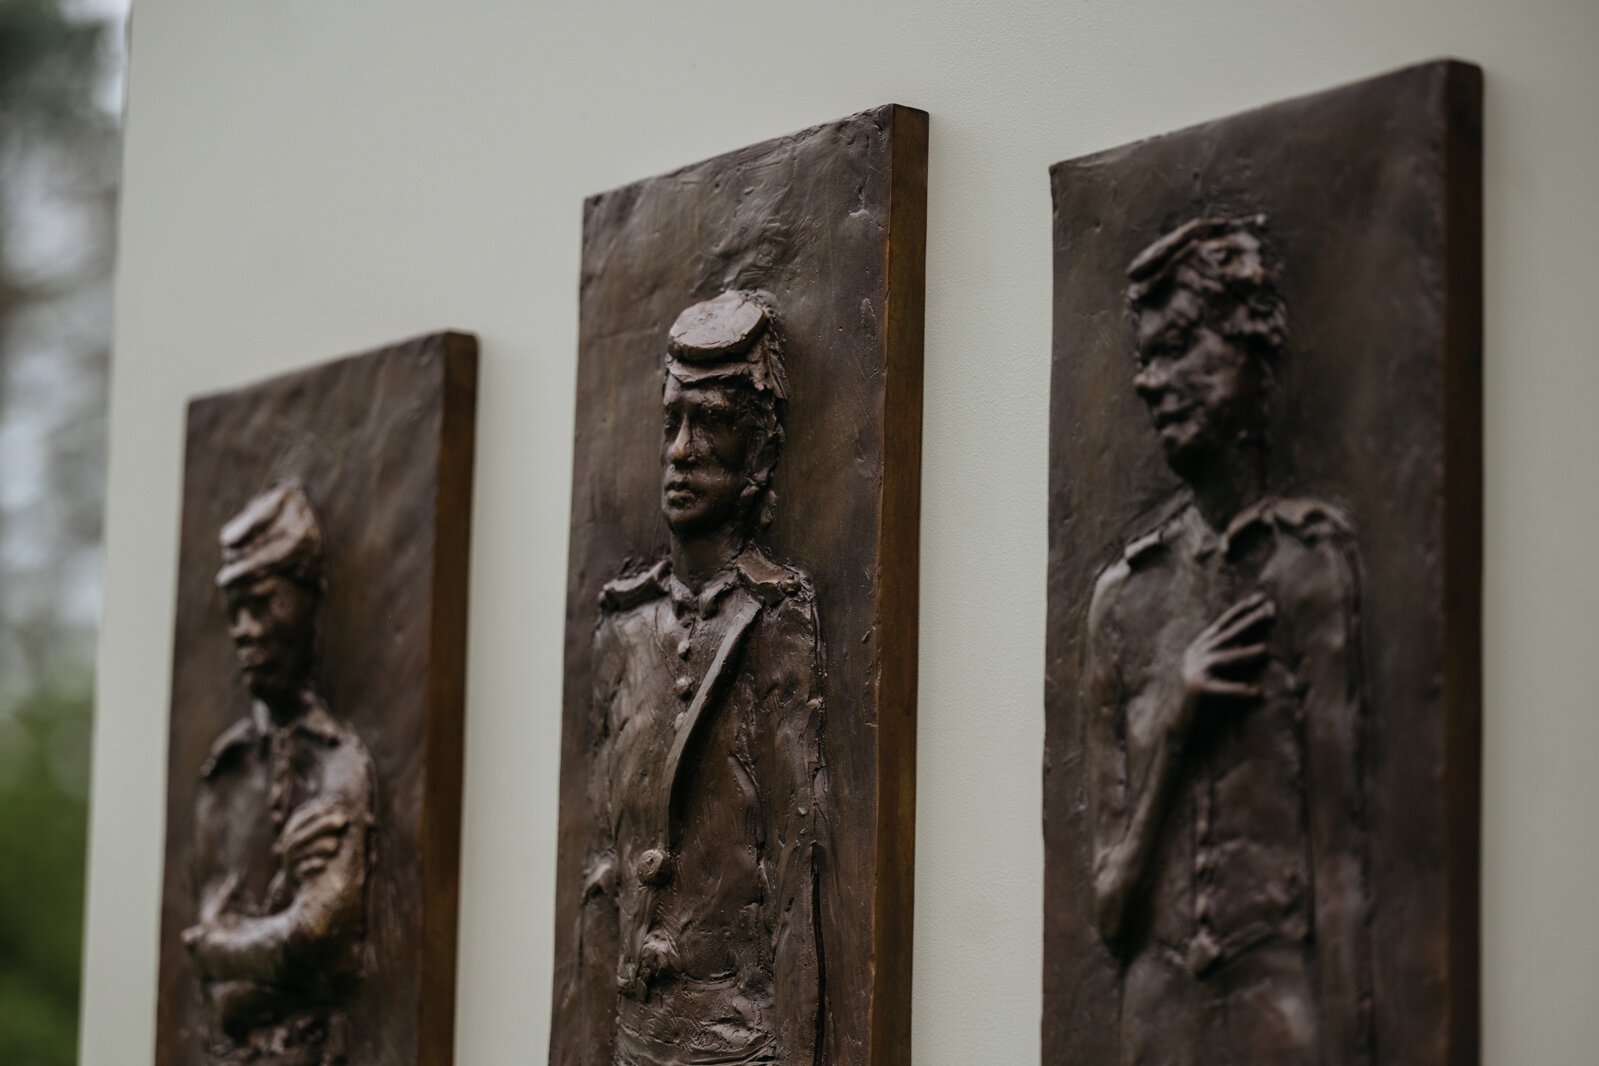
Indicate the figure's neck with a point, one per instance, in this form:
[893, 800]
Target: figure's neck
[283, 708]
[1225, 483]
[697, 559]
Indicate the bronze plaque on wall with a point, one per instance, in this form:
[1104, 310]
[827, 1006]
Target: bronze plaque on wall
[737, 762]
[314, 761]
[1263, 696]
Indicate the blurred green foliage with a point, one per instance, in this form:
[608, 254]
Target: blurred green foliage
[43, 838]
[53, 132]
[48, 61]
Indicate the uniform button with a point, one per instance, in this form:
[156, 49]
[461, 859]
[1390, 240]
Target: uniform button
[685, 687]
[683, 648]
[1202, 909]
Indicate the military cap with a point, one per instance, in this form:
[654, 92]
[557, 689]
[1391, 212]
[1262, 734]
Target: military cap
[1234, 240]
[1225, 261]
[727, 337]
[277, 533]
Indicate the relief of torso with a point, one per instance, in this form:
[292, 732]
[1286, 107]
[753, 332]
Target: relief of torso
[1232, 870]
[1224, 704]
[283, 818]
[707, 674]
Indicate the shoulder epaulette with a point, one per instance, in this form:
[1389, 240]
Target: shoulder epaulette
[634, 589]
[1156, 535]
[770, 581]
[239, 734]
[320, 723]
[1139, 547]
[1313, 518]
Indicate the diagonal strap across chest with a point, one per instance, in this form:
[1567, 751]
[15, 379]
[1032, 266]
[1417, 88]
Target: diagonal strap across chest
[654, 864]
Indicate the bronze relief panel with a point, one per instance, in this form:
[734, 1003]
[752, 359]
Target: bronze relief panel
[1262, 688]
[313, 812]
[740, 624]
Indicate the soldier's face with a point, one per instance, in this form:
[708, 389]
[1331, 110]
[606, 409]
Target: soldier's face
[705, 452]
[1204, 392]
[271, 620]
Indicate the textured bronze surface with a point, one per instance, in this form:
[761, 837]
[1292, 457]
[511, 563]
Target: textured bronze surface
[737, 761]
[314, 776]
[1262, 679]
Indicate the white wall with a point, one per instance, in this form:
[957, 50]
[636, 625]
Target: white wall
[306, 178]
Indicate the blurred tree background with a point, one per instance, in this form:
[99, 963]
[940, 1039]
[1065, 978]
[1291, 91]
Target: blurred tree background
[61, 68]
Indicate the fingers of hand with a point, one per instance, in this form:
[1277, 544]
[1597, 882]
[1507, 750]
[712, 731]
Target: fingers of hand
[1236, 660]
[311, 856]
[331, 828]
[1225, 671]
[1242, 690]
[1257, 613]
[1242, 607]
[312, 837]
[314, 819]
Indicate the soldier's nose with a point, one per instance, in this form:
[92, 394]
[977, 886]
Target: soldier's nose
[678, 450]
[1150, 382]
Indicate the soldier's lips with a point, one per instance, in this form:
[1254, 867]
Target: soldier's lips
[678, 493]
[253, 658]
[1164, 418]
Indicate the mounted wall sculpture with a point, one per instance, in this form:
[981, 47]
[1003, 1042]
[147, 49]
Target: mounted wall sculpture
[313, 815]
[1263, 696]
[741, 626]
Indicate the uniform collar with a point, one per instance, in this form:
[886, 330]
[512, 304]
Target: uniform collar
[1203, 540]
[707, 601]
[315, 720]
[257, 726]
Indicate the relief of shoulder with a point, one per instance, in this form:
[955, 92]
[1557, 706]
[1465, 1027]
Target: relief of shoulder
[772, 582]
[1309, 555]
[630, 590]
[1107, 590]
[1313, 520]
[1148, 547]
[232, 741]
[1142, 554]
[346, 765]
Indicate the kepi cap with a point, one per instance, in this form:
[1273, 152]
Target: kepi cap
[728, 336]
[277, 533]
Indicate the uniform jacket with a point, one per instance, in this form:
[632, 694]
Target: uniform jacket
[699, 900]
[287, 943]
[1264, 841]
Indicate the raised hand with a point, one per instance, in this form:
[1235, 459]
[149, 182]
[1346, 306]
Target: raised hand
[312, 837]
[1223, 661]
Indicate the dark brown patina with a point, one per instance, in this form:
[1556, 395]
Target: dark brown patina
[744, 518]
[1262, 694]
[313, 798]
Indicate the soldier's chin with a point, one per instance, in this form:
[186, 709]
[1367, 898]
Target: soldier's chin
[265, 683]
[688, 513]
[1185, 444]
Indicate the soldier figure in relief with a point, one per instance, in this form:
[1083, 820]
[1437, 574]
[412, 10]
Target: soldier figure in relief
[284, 813]
[699, 925]
[1224, 704]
